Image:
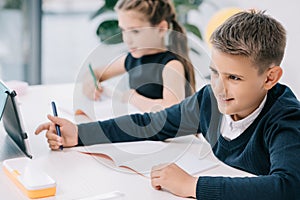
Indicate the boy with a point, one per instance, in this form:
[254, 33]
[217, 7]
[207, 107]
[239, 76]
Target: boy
[250, 120]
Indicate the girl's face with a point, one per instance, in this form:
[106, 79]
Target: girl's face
[139, 35]
[237, 86]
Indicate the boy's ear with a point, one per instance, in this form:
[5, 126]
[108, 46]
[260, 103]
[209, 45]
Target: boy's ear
[273, 75]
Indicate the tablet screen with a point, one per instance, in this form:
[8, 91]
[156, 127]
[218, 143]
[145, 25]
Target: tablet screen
[12, 121]
[3, 97]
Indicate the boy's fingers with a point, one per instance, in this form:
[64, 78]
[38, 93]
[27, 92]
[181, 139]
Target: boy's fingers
[155, 184]
[53, 137]
[155, 178]
[56, 120]
[160, 166]
[42, 127]
[54, 143]
[155, 172]
[53, 147]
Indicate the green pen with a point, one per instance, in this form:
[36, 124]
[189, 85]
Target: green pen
[94, 76]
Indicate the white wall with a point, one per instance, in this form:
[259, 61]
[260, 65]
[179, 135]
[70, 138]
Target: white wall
[67, 40]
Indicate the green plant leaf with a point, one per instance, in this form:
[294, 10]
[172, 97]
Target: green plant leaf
[110, 3]
[108, 6]
[13, 4]
[99, 12]
[109, 32]
[193, 29]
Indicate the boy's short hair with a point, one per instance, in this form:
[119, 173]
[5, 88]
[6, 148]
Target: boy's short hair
[253, 34]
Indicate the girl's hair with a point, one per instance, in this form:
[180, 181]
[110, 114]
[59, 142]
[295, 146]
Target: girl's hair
[252, 34]
[156, 11]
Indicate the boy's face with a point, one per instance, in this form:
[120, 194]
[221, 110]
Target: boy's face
[138, 34]
[236, 84]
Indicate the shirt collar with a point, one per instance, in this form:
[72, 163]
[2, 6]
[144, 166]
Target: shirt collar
[244, 123]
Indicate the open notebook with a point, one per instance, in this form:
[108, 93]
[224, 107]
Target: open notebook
[140, 157]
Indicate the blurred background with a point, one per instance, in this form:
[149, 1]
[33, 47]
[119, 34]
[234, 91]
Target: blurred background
[46, 41]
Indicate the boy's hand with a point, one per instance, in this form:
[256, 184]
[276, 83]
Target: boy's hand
[69, 132]
[172, 178]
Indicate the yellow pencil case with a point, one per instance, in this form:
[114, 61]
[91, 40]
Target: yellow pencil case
[30, 179]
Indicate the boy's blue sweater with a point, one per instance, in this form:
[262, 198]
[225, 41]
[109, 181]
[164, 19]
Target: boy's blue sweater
[269, 147]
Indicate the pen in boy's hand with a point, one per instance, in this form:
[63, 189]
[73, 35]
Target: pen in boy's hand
[94, 76]
[56, 126]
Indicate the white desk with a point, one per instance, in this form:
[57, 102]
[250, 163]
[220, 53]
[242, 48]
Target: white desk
[78, 175]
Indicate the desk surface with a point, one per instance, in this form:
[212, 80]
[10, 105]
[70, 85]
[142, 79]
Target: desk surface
[78, 175]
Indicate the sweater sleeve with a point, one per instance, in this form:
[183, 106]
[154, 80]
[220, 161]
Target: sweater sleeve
[178, 120]
[281, 138]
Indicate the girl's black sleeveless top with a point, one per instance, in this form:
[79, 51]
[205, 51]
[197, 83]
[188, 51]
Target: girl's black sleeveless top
[145, 73]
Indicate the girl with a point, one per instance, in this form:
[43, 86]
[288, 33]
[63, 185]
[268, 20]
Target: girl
[160, 75]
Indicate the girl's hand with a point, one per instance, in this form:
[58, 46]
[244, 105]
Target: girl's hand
[89, 88]
[172, 178]
[69, 132]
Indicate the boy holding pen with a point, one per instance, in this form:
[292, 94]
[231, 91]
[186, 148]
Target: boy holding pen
[248, 117]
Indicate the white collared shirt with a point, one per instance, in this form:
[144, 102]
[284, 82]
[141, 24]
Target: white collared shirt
[232, 129]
